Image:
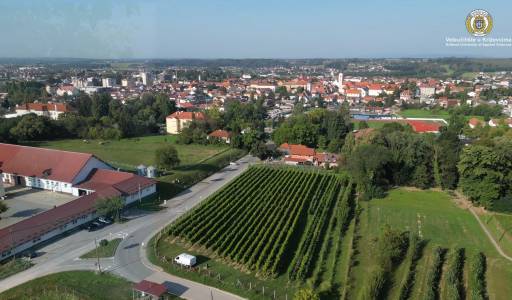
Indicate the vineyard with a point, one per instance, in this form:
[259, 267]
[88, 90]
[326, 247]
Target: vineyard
[274, 230]
[256, 221]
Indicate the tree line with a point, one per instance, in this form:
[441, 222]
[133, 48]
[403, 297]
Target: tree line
[395, 155]
[94, 117]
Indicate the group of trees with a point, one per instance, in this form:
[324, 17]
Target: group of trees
[486, 172]
[319, 128]
[484, 110]
[395, 155]
[96, 117]
[245, 122]
[23, 92]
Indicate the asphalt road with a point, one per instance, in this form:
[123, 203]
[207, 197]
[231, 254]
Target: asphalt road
[130, 260]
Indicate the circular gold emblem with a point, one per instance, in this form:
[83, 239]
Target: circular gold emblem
[479, 22]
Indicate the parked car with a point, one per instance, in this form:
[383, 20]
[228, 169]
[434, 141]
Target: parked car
[98, 224]
[105, 220]
[92, 227]
[185, 259]
[30, 254]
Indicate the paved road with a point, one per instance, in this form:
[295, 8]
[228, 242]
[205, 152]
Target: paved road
[130, 260]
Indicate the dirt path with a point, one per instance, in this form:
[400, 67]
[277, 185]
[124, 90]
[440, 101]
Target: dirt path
[496, 245]
[464, 203]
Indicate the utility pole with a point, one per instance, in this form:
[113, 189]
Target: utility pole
[140, 198]
[97, 255]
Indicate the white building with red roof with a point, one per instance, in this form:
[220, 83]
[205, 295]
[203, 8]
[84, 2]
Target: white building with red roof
[80, 174]
[180, 119]
[220, 135]
[297, 154]
[50, 110]
[375, 89]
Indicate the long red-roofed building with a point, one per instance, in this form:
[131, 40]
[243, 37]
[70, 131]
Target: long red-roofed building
[80, 174]
[50, 110]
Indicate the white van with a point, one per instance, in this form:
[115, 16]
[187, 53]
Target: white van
[185, 259]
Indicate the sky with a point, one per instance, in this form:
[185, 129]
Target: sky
[244, 29]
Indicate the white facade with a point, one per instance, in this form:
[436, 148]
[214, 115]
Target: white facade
[146, 78]
[143, 193]
[92, 163]
[48, 235]
[108, 82]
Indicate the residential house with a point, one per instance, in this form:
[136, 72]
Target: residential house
[297, 154]
[220, 135]
[474, 122]
[374, 90]
[406, 96]
[180, 119]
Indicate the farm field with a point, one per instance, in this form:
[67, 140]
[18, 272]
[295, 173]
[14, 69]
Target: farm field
[72, 285]
[433, 217]
[272, 228]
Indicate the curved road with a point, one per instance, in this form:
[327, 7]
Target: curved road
[130, 260]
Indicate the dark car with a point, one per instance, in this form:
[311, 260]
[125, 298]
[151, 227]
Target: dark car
[92, 227]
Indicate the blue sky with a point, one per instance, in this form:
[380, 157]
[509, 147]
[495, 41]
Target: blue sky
[243, 29]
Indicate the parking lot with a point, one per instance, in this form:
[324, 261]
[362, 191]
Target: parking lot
[24, 202]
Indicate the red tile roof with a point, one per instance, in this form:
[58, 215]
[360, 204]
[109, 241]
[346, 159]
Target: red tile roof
[375, 86]
[114, 182]
[187, 115]
[353, 91]
[423, 127]
[299, 150]
[148, 287]
[220, 134]
[55, 165]
[60, 107]
[34, 227]
[475, 122]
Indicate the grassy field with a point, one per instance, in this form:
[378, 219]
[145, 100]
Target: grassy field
[129, 153]
[291, 229]
[83, 285]
[104, 251]
[197, 161]
[433, 216]
[11, 267]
